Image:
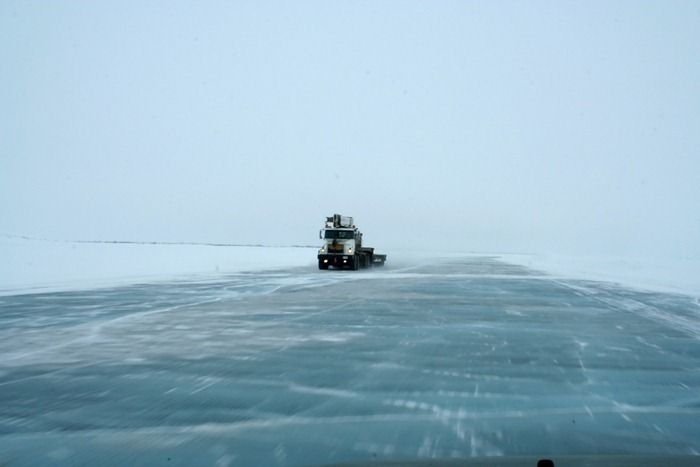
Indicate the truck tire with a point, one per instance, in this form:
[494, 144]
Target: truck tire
[356, 262]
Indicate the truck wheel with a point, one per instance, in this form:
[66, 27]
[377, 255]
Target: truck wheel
[356, 262]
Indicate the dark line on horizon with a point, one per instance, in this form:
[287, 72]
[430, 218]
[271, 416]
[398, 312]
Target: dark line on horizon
[144, 242]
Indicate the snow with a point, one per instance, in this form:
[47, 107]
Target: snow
[40, 266]
[657, 274]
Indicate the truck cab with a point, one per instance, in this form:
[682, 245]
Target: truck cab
[342, 246]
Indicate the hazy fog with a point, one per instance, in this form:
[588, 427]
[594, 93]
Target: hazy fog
[550, 127]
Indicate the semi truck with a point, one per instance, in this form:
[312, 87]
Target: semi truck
[342, 246]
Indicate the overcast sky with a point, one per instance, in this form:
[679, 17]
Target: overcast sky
[545, 127]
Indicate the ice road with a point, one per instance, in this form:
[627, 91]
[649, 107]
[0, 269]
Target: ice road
[467, 357]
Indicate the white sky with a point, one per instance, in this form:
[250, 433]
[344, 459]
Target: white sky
[544, 127]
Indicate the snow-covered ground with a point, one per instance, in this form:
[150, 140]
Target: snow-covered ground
[658, 274]
[37, 265]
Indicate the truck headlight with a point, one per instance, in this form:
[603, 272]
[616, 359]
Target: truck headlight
[350, 250]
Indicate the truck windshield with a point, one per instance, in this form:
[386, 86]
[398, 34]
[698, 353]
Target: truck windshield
[339, 234]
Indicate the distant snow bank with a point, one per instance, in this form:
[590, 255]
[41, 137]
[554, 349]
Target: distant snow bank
[36, 265]
[674, 276]
[28, 266]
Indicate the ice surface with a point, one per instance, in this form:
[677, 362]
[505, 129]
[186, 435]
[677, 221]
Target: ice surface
[465, 357]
